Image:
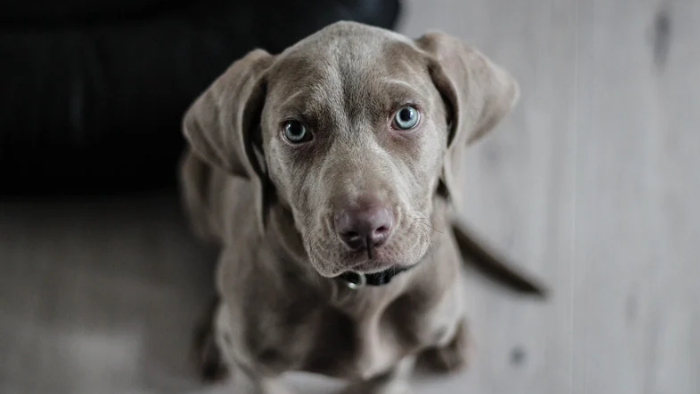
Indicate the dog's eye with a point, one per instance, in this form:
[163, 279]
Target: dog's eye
[406, 118]
[295, 132]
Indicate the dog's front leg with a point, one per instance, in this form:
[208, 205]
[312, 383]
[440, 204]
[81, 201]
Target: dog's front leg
[249, 377]
[395, 381]
[450, 357]
[217, 361]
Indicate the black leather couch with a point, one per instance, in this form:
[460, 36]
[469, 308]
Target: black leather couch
[92, 92]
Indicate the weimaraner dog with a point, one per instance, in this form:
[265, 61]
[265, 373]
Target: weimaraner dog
[326, 176]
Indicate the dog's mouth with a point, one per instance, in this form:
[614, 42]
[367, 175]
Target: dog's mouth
[372, 266]
[374, 259]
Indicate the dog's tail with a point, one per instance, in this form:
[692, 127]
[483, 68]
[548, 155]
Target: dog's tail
[491, 265]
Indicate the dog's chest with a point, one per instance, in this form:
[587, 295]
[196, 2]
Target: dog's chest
[361, 337]
[350, 334]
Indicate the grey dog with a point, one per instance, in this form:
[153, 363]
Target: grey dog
[326, 176]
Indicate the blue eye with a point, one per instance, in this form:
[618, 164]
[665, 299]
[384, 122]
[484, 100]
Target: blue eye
[295, 132]
[406, 118]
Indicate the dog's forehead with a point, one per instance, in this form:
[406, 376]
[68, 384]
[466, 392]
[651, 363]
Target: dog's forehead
[346, 36]
[346, 61]
[344, 48]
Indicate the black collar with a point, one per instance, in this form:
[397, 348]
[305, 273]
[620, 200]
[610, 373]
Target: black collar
[356, 280]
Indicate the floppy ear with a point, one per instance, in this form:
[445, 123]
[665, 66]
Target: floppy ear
[223, 124]
[477, 93]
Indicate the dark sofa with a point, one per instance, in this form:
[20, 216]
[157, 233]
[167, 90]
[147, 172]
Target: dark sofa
[92, 92]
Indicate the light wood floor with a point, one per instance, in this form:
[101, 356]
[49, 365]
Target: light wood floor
[593, 183]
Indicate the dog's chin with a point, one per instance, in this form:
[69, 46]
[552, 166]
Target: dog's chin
[374, 266]
[366, 267]
[360, 262]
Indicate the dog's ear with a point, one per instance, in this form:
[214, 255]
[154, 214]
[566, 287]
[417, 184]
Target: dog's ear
[477, 93]
[223, 124]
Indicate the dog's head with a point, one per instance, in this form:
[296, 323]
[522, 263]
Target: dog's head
[353, 130]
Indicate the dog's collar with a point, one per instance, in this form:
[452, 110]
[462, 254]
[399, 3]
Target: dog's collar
[355, 280]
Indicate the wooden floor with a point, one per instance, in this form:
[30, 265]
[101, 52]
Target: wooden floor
[593, 183]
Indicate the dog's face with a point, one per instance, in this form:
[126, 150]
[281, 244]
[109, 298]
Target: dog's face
[355, 136]
[353, 130]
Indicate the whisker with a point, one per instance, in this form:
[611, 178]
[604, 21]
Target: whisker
[429, 225]
[425, 221]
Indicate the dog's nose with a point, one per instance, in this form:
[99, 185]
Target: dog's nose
[367, 226]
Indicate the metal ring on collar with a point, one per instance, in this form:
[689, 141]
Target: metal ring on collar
[354, 280]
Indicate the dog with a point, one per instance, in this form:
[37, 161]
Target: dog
[326, 175]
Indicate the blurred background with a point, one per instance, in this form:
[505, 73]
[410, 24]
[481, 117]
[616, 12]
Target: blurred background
[593, 184]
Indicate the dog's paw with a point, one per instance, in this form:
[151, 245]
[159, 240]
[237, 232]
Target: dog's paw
[207, 356]
[401, 388]
[276, 388]
[451, 357]
[444, 360]
[211, 365]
